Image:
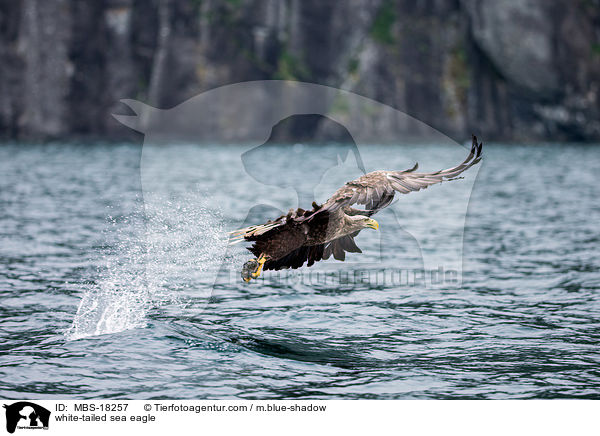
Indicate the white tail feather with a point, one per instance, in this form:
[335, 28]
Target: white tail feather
[241, 234]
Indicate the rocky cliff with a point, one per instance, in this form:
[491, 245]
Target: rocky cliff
[505, 69]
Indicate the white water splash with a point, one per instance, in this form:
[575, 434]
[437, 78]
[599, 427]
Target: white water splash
[169, 257]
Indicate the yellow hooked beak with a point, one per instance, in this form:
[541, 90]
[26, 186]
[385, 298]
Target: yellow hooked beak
[372, 224]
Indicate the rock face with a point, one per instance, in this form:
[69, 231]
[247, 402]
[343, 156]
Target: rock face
[504, 69]
[538, 68]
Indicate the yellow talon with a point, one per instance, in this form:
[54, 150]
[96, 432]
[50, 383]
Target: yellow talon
[253, 268]
[261, 261]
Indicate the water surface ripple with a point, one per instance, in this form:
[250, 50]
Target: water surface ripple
[525, 323]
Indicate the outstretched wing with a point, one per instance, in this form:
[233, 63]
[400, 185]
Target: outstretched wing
[376, 190]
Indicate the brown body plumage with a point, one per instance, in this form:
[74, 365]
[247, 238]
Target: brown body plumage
[308, 236]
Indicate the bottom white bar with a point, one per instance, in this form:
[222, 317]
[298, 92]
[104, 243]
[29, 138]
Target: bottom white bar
[264, 418]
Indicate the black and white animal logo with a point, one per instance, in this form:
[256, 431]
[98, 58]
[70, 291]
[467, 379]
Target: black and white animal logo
[26, 415]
